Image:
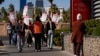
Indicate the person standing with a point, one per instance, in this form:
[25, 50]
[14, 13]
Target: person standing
[29, 34]
[14, 33]
[78, 29]
[50, 28]
[37, 31]
[9, 31]
[20, 35]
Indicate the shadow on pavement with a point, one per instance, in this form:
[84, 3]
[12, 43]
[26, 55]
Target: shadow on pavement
[32, 51]
[3, 52]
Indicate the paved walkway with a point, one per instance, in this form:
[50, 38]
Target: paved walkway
[10, 50]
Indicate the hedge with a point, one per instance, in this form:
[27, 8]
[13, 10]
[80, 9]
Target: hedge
[93, 27]
[57, 38]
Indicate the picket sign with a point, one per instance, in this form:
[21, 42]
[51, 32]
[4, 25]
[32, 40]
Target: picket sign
[12, 17]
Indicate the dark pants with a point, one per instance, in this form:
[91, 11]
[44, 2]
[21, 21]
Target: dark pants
[14, 38]
[10, 37]
[37, 41]
[77, 47]
[29, 39]
[44, 39]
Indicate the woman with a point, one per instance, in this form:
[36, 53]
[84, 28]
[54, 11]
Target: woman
[50, 28]
[37, 31]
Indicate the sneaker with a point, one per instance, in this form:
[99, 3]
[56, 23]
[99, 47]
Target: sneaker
[30, 45]
[39, 50]
[50, 48]
[35, 50]
[75, 55]
[20, 50]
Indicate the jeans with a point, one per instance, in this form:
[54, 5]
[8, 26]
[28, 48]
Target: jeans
[20, 42]
[50, 39]
[14, 38]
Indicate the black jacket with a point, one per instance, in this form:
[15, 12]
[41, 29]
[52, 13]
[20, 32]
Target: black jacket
[19, 28]
[48, 27]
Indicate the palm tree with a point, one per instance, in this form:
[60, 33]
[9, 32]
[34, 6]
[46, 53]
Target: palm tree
[5, 14]
[11, 8]
[53, 8]
[38, 11]
[50, 1]
[33, 15]
[18, 15]
[57, 11]
[66, 15]
[1, 1]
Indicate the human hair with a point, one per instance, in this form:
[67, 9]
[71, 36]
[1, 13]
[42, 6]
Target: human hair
[37, 18]
[79, 16]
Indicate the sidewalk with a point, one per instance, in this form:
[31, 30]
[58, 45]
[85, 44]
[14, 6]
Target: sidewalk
[10, 50]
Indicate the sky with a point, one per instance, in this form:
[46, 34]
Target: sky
[60, 3]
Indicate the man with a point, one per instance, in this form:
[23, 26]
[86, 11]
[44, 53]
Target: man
[78, 29]
[9, 31]
[20, 35]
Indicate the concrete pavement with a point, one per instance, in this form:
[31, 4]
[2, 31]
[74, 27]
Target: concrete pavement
[11, 50]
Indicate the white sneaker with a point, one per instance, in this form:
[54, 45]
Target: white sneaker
[75, 55]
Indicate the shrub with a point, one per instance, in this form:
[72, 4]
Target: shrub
[93, 27]
[96, 31]
[57, 38]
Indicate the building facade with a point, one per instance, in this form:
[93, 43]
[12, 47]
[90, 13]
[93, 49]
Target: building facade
[39, 3]
[30, 9]
[22, 4]
[81, 6]
[96, 9]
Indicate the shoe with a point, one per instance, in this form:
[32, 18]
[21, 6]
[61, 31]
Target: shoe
[20, 50]
[75, 55]
[50, 48]
[35, 50]
[39, 50]
[30, 45]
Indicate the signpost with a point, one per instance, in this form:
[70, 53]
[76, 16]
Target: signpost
[81, 6]
[25, 11]
[44, 17]
[12, 17]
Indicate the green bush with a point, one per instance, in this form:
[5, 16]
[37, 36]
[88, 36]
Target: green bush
[93, 27]
[96, 31]
[57, 38]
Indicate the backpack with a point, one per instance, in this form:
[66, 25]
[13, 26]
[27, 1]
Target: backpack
[37, 27]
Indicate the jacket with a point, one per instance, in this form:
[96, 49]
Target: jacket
[78, 29]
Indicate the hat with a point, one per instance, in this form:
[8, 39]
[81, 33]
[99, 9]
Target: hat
[79, 16]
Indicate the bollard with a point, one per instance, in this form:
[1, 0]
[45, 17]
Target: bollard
[62, 39]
